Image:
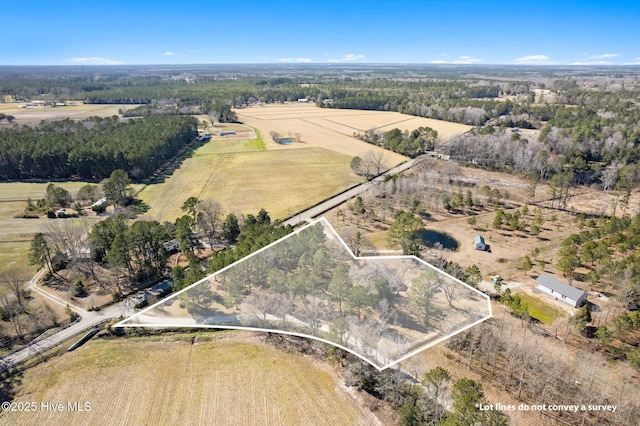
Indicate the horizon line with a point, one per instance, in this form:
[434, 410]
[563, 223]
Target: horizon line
[332, 64]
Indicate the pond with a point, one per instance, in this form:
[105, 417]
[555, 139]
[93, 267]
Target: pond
[429, 238]
[286, 140]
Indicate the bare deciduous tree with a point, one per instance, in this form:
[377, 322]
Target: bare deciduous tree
[209, 218]
[375, 161]
[16, 282]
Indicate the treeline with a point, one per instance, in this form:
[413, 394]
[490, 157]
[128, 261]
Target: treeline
[93, 148]
[609, 248]
[508, 355]
[406, 143]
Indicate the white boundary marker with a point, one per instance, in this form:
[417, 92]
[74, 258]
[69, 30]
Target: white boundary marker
[124, 323]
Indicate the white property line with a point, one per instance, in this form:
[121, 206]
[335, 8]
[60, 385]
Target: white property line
[332, 235]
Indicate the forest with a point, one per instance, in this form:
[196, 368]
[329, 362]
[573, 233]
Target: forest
[94, 147]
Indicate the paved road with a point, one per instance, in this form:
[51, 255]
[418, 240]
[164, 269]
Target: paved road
[316, 211]
[89, 320]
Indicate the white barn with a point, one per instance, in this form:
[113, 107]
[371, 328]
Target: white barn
[561, 291]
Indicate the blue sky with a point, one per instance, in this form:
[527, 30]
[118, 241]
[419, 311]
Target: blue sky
[544, 32]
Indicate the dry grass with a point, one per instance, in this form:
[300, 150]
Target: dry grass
[505, 244]
[78, 111]
[282, 182]
[230, 380]
[317, 127]
[334, 128]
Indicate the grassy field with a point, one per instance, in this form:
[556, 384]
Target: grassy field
[540, 310]
[228, 378]
[17, 233]
[334, 128]
[282, 182]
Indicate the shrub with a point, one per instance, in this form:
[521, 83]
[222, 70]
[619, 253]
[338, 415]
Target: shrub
[78, 289]
[101, 208]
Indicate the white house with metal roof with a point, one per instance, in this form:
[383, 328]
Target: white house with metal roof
[561, 291]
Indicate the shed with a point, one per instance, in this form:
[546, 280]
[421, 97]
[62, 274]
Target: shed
[478, 243]
[100, 202]
[172, 245]
[561, 291]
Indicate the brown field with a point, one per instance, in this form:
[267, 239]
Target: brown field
[78, 111]
[314, 126]
[334, 128]
[226, 378]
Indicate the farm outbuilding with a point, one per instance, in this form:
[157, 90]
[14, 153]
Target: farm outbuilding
[561, 291]
[172, 245]
[479, 244]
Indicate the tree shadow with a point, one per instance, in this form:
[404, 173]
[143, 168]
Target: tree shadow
[9, 385]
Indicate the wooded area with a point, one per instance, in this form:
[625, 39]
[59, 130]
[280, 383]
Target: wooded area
[93, 148]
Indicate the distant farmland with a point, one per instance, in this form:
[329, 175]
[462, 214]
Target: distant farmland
[77, 111]
[334, 128]
[285, 178]
[227, 378]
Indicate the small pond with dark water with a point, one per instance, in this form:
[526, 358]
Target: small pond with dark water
[429, 238]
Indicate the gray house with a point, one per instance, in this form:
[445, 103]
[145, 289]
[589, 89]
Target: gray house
[561, 291]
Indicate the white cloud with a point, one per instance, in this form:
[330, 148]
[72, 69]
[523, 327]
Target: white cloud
[295, 60]
[592, 63]
[346, 58]
[95, 61]
[462, 60]
[532, 60]
[604, 56]
[352, 57]
[170, 54]
[467, 60]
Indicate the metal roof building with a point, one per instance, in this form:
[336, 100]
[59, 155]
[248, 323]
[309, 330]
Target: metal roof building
[561, 291]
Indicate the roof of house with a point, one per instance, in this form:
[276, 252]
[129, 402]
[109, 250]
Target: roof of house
[479, 239]
[560, 287]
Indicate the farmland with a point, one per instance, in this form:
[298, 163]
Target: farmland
[77, 111]
[286, 178]
[282, 182]
[334, 128]
[224, 378]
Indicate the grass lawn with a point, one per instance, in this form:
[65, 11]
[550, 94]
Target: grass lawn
[540, 310]
[217, 379]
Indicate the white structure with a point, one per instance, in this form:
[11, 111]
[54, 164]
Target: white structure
[172, 245]
[100, 202]
[479, 243]
[561, 291]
